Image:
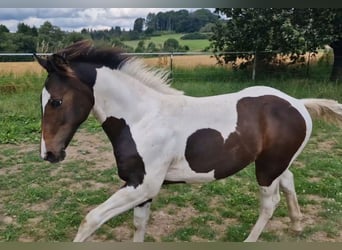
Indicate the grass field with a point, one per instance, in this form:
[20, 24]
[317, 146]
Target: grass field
[46, 202]
[194, 45]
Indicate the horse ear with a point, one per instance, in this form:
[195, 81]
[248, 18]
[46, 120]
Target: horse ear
[59, 61]
[43, 62]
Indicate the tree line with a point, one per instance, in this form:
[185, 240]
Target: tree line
[50, 38]
[291, 32]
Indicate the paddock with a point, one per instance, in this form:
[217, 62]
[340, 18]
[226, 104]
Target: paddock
[43, 202]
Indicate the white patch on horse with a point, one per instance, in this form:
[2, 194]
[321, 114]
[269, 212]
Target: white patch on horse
[178, 173]
[45, 99]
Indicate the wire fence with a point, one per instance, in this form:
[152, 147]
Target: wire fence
[192, 66]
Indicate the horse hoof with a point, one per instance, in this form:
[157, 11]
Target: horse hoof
[296, 228]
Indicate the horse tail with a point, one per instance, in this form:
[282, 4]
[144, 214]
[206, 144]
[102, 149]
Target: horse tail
[326, 109]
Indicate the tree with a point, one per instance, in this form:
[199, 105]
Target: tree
[140, 47]
[289, 31]
[117, 31]
[248, 30]
[139, 24]
[25, 43]
[183, 22]
[73, 37]
[151, 23]
[171, 44]
[3, 29]
[152, 47]
[25, 29]
[327, 27]
[199, 18]
[51, 35]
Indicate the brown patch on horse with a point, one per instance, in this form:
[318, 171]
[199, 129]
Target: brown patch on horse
[284, 130]
[269, 131]
[207, 150]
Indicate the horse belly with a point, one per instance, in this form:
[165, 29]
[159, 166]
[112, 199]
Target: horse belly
[181, 172]
[207, 157]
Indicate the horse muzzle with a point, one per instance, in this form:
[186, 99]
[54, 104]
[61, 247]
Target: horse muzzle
[53, 157]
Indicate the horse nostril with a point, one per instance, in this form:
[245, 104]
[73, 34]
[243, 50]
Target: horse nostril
[50, 157]
[54, 158]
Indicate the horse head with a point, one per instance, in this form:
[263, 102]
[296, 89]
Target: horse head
[66, 102]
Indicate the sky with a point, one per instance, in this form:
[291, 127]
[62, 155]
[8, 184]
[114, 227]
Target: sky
[75, 19]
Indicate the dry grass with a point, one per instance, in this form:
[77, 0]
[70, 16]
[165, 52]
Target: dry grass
[20, 68]
[186, 61]
[180, 61]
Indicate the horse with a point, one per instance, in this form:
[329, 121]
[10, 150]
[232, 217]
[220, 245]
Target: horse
[160, 135]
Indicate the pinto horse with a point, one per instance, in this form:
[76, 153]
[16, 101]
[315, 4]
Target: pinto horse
[159, 135]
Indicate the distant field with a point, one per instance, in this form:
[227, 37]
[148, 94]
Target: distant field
[20, 68]
[194, 45]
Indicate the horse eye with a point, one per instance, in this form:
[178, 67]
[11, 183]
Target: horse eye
[55, 102]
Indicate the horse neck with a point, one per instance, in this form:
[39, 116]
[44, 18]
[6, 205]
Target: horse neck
[121, 96]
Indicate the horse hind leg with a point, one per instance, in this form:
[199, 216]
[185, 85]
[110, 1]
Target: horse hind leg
[288, 188]
[269, 199]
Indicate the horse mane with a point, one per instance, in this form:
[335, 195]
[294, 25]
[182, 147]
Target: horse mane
[115, 58]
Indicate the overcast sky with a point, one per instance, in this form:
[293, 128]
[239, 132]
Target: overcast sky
[69, 19]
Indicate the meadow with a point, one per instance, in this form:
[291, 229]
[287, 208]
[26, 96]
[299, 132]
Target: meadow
[194, 45]
[46, 202]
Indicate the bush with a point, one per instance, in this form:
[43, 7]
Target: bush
[171, 44]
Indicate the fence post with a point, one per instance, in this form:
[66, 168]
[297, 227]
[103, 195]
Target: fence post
[254, 65]
[171, 66]
[308, 66]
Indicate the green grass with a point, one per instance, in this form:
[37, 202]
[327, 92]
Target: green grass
[47, 202]
[194, 45]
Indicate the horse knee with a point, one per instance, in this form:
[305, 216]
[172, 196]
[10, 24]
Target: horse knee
[270, 198]
[287, 182]
[141, 216]
[91, 220]
[267, 205]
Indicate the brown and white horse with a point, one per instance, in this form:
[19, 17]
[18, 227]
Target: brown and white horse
[160, 135]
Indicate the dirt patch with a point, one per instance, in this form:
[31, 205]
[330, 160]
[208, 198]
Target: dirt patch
[92, 147]
[170, 217]
[326, 145]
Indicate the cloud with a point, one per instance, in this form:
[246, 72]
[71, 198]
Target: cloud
[70, 19]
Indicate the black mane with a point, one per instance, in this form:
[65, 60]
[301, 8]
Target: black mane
[81, 59]
[85, 51]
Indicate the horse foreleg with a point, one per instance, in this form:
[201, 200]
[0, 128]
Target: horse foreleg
[123, 200]
[269, 199]
[141, 215]
[287, 186]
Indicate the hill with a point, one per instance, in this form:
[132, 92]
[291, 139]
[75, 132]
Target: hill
[194, 45]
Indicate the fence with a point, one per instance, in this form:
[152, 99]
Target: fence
[175, 62]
